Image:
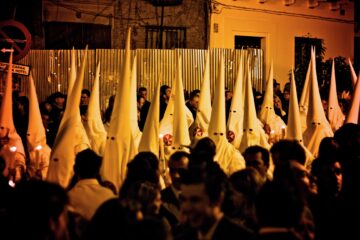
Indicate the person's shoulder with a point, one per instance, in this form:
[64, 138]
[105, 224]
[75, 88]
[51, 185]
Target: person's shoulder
[228, 229]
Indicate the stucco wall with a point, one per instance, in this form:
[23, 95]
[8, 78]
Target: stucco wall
[279, 25]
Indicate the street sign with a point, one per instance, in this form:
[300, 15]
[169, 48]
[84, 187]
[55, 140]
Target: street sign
[14, 34]
[17, 68]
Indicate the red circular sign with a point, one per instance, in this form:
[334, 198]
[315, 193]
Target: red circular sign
[168, 139]
[230, 136]
[198, 132]
[14, 34]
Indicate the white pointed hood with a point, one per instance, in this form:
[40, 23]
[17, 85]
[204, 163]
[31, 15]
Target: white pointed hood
[217, 125]
[7, 128]
[267, 113]
[72, 76]
[317, 125]
[93, 125]
[199, 128]
[353, 74]
[236, 114]
[39, 151]
[267, 108]
[167, 122]
[253, 134]
[133, 105]
[71, 136]
[181, 127]
[150, 136]
[228, 157]
[120, 146]
[304, 100]
[294, 131]
[334, 113]
[354, 113]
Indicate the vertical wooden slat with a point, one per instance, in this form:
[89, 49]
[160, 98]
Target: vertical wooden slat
[52, 67]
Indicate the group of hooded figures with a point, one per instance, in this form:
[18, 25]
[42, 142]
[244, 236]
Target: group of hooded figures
[122, 141]
[177, 130]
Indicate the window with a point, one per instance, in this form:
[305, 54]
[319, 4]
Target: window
[247, 42]
[302, 58]
[61, 35]
[165, 37]
[302, 49]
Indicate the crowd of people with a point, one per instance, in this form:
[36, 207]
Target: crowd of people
[199, 200]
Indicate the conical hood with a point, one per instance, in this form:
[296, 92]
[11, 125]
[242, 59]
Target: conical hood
[36, 134]
[251, 131]
[236, 114]
[335, 115]
[14, 147]
[167, 122]
[93, 125]
[72, 76]
[120, 146]
[181, 128]
[150, 136]
[267, 112]
[353, 115]
[317, 125]
[71, 80]
[39, 151]
[304, 99]
[294, 131]
[71, 136]
[200, 126]
[353, 74]
[228, 157]
[217, 125]
[133, 105]
[316, 112]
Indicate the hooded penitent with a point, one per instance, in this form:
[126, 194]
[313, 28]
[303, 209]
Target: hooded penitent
[236, 114]
[253, 134]
[354, 113]
[180, 130]
[334, 113]
[167, 124]
[228, 157]
[120, 146]
[294, 131]
[11, 146]
[93, 125]
[39, 151]
[150, 137]
[133, 105]
[304, 100]
[317, 125]
[71, 136]
[267, 113]
[199, 128]
[180, 139]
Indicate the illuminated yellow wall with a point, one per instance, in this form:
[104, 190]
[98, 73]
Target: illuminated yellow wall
[280, 25]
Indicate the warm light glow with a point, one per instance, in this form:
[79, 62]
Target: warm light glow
[12, 149]
[272, 132]
[283, 127]
[38, 147]
[11, 183]
[161, 135]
